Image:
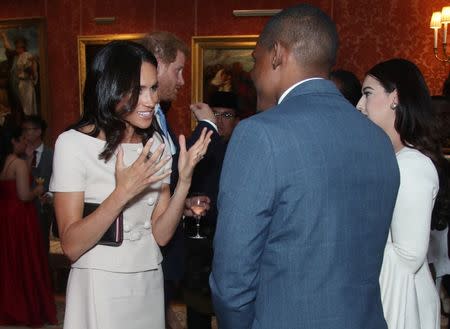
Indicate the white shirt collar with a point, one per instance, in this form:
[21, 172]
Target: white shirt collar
[293, 86]
[40, 148]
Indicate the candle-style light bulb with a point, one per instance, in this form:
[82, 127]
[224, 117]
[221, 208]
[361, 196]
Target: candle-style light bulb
[445, 20]
[436, 24]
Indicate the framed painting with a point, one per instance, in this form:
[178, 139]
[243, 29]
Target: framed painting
[223, 63]
[89, 46]
[23, 69]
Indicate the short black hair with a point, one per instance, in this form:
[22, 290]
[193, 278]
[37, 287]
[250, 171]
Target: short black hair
[308, 31]
[224, 99]
[348, 84]
[7, 135]
[37, 122]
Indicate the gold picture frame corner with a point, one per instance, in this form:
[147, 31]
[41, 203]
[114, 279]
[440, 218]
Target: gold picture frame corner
[85, 41]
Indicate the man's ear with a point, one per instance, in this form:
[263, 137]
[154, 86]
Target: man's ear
[277, 54]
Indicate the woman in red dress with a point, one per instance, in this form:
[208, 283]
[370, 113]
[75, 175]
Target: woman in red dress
[26, 296]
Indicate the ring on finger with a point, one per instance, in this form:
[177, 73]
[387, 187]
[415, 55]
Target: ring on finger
[150, 154]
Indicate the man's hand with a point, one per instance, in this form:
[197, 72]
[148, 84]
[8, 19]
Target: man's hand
[202, 111]
[47, 198]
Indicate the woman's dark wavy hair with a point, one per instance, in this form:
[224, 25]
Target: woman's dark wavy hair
[112, 90]
[6, 146]
[416, 123]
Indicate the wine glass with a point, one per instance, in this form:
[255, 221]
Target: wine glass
[198, 207]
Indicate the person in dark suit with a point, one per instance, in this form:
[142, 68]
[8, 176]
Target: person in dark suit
[304, 203]
[205, 181]
[40, 159]
[171, 53]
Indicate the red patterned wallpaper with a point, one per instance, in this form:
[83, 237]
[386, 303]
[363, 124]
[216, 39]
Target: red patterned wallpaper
[369, 32]
[374, 31]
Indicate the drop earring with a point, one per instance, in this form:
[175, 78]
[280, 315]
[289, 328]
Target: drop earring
[394, 106]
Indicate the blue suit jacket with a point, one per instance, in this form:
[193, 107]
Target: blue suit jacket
[305, 202]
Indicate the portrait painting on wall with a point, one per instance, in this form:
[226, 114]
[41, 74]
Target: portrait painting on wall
[89, 46]
[223, 63]
[23, 84]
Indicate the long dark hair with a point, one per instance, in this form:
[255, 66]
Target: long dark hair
[6, 146]
[111, 90]
[415, 121]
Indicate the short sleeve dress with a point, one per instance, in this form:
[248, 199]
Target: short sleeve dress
[111, 287]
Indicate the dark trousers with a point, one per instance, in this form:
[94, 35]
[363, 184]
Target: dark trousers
[197, 320]
[46, 216]
[446, 284]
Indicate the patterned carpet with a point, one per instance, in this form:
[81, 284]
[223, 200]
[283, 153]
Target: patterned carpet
[178, 308]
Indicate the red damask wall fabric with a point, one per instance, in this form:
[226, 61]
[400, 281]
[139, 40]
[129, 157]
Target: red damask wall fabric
[370, 31]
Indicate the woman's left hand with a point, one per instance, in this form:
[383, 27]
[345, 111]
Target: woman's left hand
[189, 158]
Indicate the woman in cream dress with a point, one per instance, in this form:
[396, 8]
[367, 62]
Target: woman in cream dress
[396, 98]
[115, 157]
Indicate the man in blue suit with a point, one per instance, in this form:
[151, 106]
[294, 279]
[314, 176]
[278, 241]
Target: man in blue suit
[306, 194]
[40, 157]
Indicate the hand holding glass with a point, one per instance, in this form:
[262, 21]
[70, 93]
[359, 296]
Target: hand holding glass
[198, 207]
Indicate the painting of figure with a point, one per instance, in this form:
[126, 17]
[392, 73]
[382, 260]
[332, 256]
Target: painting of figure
[22, 83]
[223, 63]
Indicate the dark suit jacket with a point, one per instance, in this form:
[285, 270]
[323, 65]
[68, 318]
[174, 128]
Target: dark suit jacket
[199, 252]
[173, 252]
[44, 168]
[306, 199]
[207, 172]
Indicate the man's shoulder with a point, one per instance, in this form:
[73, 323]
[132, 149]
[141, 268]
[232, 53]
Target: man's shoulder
[203, 124]
[47, 149]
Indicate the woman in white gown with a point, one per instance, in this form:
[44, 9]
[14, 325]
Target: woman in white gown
[396, 98]
[115, 157]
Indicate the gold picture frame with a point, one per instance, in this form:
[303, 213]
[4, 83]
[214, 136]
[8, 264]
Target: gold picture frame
[88, 46]
[15, 98]
[223, 62]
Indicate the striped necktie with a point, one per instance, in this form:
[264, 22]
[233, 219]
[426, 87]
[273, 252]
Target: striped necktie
[162, 122]
[161, 118]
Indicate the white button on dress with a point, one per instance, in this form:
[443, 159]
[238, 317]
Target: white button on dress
[135, 235]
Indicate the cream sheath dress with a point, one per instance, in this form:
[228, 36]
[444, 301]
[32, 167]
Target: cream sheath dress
[111, 287]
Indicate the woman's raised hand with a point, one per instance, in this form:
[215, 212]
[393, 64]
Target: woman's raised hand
[143, 172]
[189, 158]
